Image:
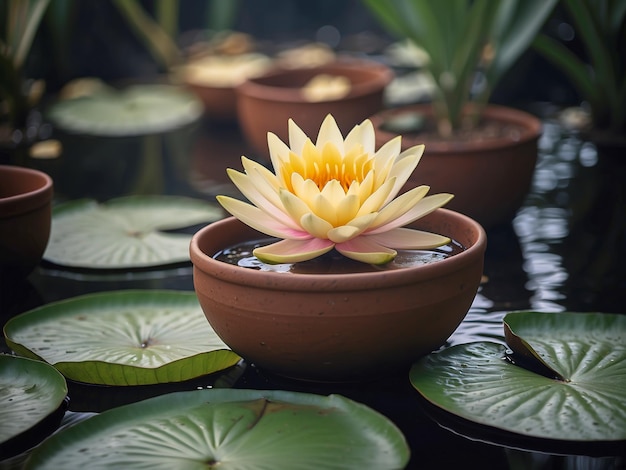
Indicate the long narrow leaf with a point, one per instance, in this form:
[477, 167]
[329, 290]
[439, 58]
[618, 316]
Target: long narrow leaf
[154, 37]
[599, 54]
[573, 67]
[517, 32]
[22, 46]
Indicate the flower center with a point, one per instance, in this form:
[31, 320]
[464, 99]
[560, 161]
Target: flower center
[328, 164]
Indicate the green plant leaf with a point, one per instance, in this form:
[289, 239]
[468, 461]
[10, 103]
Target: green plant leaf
[126, 232]
[476, 382]
[129, 337]
[230, 429]
[575, 346]
[135, 110]
[30, 391]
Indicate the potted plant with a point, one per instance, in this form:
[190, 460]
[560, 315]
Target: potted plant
[485, 154]
[359, 283]
[599, 78]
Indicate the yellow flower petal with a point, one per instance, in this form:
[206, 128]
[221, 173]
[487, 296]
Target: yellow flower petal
[402, 170]
[294, 206]
[362, 134]
[375, 201]
[347, 209]
[293, 251]
[306, 190]
[330, 133]
[297, 137]
[315, 225]
[278, 150]
[385, 158]
[351, 230]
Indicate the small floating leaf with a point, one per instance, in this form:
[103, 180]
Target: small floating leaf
[30, 391]
[126, 232]
[122, 338]
[230, 429]
[584, 403]
[136, 110]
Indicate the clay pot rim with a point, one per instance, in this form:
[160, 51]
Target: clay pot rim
[262, 87]
[325, 282]
[532, 130]
[26, 201]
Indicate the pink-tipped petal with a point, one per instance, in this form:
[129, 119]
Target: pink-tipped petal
[293, 251]
[424, 207]
[259, 220]
[409, 239]
[258, 194]
[366, 250]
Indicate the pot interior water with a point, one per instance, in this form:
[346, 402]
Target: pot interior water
[332, 262]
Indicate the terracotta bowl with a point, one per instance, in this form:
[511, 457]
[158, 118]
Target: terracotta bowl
[266, 103]
[489, 179]
[25, 218]
[337, 327]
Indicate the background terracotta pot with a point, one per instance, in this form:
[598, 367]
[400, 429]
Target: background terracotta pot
[337, 327]
[25, 217]
[267, 103]
[489, 178]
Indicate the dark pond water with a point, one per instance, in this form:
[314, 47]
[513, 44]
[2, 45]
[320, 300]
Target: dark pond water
[333, 262]
[564, 251]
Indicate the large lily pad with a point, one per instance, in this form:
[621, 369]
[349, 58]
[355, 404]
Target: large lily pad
[126, 232]
[566, 382]
[130, 337]
[31, 394]
[230, 429]
[135, 110]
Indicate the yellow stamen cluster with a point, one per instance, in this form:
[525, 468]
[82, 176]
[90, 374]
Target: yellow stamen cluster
[326, 165]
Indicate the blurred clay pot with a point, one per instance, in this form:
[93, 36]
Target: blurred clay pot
[25, 218]
[266, 103]
[337, 327]
[489, 178]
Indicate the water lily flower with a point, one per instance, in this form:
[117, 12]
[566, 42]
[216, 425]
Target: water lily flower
[337, 193]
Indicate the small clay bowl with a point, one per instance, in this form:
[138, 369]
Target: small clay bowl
[25, 218]
[266, 103]
[337, 327]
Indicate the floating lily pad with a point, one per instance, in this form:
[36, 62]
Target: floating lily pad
[230, 429]
[566, 382]
[126, 232]
[130, 337]
[32, 396]
[136, 110]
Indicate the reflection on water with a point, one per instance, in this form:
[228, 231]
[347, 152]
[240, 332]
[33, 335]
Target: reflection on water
[564, 249]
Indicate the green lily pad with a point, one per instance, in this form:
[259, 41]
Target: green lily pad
[566, 380]
[31, 392]
[129, 337]
[126, 232]
[135, 110]
[230, 429]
